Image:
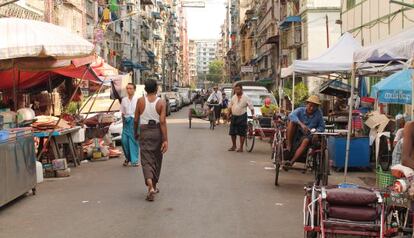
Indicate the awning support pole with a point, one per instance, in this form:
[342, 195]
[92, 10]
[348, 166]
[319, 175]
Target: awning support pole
[412, 91]
[351, 105]
[94, 100]
[293, 90]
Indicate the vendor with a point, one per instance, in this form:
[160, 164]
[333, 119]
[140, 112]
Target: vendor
[129, 144]
[408, 145]
[400, 123]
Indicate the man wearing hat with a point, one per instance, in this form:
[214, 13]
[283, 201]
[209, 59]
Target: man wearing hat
[302, 120]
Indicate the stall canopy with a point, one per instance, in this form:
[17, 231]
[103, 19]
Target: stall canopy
[23, 39]
[396, 47]
[394, 89]
[336, 59]
[44, 71]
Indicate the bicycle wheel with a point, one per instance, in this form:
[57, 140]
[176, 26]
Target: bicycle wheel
[325, 169]
[316, 167]
[277, 158]
[250, 138]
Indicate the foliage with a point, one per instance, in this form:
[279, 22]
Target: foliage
[301, 93]
[215, 71]
[72, 108]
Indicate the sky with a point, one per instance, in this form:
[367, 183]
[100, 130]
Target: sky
[204, 23]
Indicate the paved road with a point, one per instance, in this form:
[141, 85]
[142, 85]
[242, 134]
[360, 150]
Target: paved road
[205, 192]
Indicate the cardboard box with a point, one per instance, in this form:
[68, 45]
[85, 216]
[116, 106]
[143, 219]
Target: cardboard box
[63, 173]
[59, 164]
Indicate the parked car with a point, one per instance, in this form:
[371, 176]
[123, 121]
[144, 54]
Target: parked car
[173, 101]
[257, 98]
[186, 94]
[180, 100]
[167, 102]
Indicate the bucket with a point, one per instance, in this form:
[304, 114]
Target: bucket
[39, 172]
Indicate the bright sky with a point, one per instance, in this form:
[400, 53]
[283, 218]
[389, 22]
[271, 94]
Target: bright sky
[204, 23]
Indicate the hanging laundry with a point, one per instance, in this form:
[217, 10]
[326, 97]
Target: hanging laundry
[106, 15]
[113, 5]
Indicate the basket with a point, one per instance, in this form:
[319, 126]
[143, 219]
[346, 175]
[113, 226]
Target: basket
[384, 178]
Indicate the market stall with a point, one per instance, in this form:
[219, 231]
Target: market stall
[32, 53]
[383, 58]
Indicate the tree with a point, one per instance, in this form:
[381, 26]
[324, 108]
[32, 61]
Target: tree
[301, 93]
[215, 71]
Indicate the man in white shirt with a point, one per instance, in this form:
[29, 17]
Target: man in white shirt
[216, 98]
[129, 143]
[238, 111]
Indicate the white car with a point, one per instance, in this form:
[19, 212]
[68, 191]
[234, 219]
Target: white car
[257, 99]
[115, 129]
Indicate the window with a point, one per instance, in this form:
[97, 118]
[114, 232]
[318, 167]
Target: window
[350, 4]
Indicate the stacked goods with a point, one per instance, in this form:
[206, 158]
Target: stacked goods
[49, 122]
[47, 104]
[60, 167]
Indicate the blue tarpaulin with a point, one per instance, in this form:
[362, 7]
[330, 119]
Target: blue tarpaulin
[396, 88]
[289, 20]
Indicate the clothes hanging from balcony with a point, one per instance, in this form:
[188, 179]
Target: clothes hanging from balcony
[106, 15]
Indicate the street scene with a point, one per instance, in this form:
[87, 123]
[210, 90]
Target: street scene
[210, 118]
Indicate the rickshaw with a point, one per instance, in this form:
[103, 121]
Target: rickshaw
[204, 112]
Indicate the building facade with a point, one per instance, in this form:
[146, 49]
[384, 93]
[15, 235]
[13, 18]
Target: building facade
[370, 21]
[206, 53]
[192, 61]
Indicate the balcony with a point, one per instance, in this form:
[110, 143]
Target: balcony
[147, 2]
[156, 15]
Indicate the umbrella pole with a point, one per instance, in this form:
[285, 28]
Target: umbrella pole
[351, 105]
[412, 91]
[293, 91]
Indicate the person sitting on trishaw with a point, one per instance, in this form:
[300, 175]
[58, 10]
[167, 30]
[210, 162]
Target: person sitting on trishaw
[301, 122]
[268, 111]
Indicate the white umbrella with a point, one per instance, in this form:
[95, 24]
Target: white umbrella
[21, 38]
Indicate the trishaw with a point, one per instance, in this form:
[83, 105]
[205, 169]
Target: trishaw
[350, 210]
[204, 112]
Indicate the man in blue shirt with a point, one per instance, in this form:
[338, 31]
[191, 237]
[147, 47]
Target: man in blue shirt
[302, 120]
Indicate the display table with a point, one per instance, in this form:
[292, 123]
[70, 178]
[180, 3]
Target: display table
[359, 152]
[63, 134]
[17, 168]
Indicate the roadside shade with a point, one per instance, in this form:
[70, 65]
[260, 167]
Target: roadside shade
[394, 89]
[31, 73]
[22, 38]
[396, 47]
[336, 59]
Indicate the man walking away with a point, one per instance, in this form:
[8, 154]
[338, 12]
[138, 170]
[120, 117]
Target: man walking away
[216, 99]
[152, 135]
[238, 112]
[129, 144]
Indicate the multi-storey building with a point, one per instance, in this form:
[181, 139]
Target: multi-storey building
[306, 29]
[371, 21]
[29, 9]
[206, 53]
[184, 54]
[192, 61]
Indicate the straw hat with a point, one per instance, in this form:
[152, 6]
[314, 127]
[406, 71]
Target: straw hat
[314, 99]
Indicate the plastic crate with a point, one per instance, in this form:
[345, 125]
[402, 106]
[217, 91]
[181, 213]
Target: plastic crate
[384, 178]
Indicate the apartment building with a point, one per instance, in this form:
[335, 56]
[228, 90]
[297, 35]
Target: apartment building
[370, 21]
[192, 61]
[206, 53]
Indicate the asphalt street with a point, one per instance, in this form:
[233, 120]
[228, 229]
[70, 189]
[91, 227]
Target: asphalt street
[206, 191]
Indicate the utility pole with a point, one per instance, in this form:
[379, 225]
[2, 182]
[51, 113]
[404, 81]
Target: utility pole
[327, 30]
[131, 48]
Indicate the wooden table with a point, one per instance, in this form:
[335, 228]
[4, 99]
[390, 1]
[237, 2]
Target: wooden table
[63, 133]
